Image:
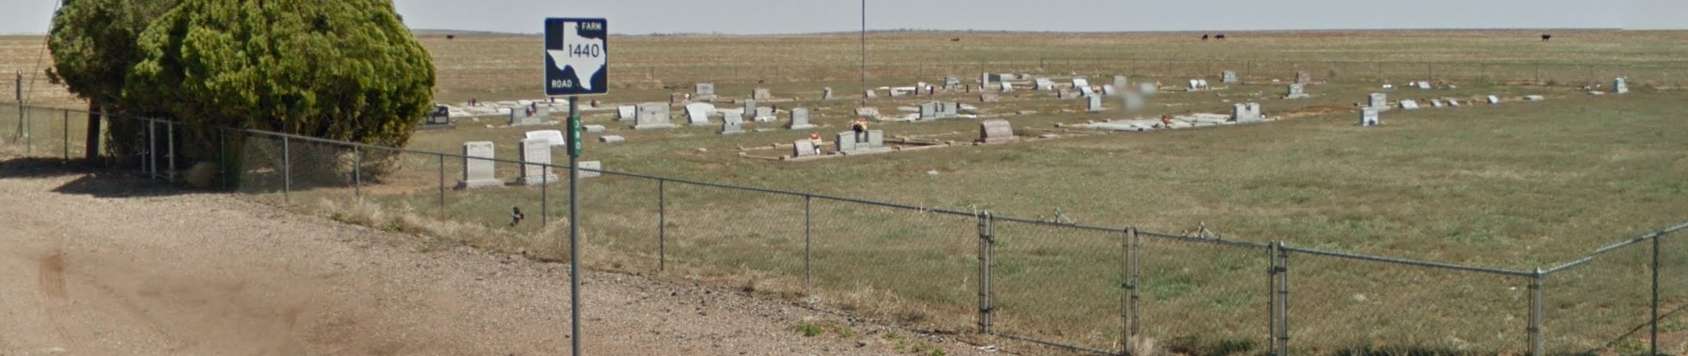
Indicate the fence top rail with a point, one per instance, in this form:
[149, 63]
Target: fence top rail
[1234, 243]
[1408, 262]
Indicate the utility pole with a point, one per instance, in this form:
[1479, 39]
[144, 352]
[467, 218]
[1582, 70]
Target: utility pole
[864, 53]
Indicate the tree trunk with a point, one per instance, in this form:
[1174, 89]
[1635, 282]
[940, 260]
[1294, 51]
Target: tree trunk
[92, 142]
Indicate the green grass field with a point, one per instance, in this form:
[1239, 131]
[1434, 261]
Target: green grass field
[1516, 186]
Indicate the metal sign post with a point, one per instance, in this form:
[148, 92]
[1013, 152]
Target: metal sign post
[576, 63]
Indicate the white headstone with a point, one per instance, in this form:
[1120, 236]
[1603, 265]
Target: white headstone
[1081, 82]
[1095, 103]
[1494, 99]
[627, 112]
[536, 159]
[1297, 91]
[611, 139]
[1147, 88]
[761, 94]
[1120, 82]
[1044, 84]
[698, 113]
[800, 119]
[1109, 90]
[555, 137]
[1229, 77]
[1378, 101]
[1437, 103]
[732, 123]
[1007, 87]
[478, 167]
[1246, 112]
[1620, 85]
[1409, 104]
[705, 91]
[594, 128]
[653, 116]
[764, 114]
[1369, 117]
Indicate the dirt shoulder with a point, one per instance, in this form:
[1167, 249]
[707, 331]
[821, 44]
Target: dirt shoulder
[93, 265]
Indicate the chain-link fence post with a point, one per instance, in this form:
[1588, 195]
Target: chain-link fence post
[442, 184]
[170, 151]
[1128, 300]
[150, 165]
[808, 281]
[544, 199]
[357, 173]
[1653, 323]
[66, 141]
[1534, 329]
[286, 169]
[661, 225]
[987, 248]
[1280, 297]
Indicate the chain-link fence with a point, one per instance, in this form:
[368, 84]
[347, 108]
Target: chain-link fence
[881, 73]
[1099, 289]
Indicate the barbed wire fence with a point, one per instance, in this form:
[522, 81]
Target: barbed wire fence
[1083, 288]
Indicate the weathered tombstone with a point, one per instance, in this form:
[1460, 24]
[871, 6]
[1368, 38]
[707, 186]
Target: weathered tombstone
[800, 119]
[653, 116]
[1620, 85]
[929, 110]
[803, 148]
[850, 143]
[1422, 85]
[1044, 84]
[1378, 101]
[589, 169]
[984, 80]
[952, 83]
[611, 139]
[1133, 102]
[1147, 88]
[869, 93]
[996, 131]
[1120, 82]
[897, 92]
[764, 114]
[826, 93]
[554, 137]
[1297, 91]
[1437, 103]
[1081, 82]
[989, 98]
[478, 166]
[1095, 103]
[698, 113]
[594, 128]
[1534, 98]
[1109, 90]
[524, 116]
[536, 161]
[761, 94]
[1302, 77]
[704, 92]
[732, 123]
[627, 112]
[1246, 112]
[1369, 117]
[1065, 94]
[1494, 99]
[750, 107]
[1195, 85]
[1453, 102]
[439, 117]
[1007, 87]
[1229, 77]
[1409, 104]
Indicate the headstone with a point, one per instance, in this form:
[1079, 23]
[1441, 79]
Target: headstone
[1409, 104]
[1620, 85]
[1369, 117]
[750, 107]
[528, 115]
[1147, 88]
[653, 116]
[761, 94]
[1230, 77]
[803, 148]
[732, 123]
[1246, 112]
[554, 137]
[478, 166]
[1120, 82]
[1534, 98]
[898, 92]
[698, 113]
[1109, 90]
[952, 83]
[874, 141]
[1437, 103]
[985, 80]
[871, 113]
[627, 112]
[764, 114]
[440, 116]
[594, 128]
[989, 98]
[1302, 77]
[869, 93]
[1007, 87]
[1044, 84]
[589, 169]
[1453, 102]
[826, 93]
[1095, 103]
[1133, 102]
[704, 92]
[536, 161]
[1378, 101]
[1081, 82]
[996, 131]
[1494, 99]
[1065, 94]
[611, 139]
[929, 110]
[800, 119]
[1297, 91]
[1422, 84]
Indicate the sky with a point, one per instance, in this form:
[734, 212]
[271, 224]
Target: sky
[807, 16]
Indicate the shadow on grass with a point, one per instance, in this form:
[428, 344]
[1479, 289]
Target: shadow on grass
[32, 167]
[101, 183]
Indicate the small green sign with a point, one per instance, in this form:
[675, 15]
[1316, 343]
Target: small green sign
[574, 134]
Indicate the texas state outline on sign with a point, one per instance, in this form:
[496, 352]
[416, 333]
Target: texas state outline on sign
[585, 67]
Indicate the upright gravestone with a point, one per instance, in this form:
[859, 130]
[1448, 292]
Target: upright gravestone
[1379, 101]
[1007, 87]
[929, 110]
[984, 81]
[528, 115]
[826, 93]
[952, 83]
[1230, 77]
[1246, 112]
[1437, 103]
[750, 107]
[872, 141]
[1302, 77]
[1494, 99]
[867, 112]
[869, 93]
[1147, 88]
[1081, 83]
[627, 112]
[1109, 90]
[1620, 85]
[698, 113]
[761, 94]
[1409, 104]
[800, 119]
[996, 131]
[704, 92]
[1094, 104]
[1297, 91]
[536, 162]
[1044, 84]
[804, 148]
[478, 166]
[764, 114]
[653, 116]
[1120, 82]
[1369, 117]
[732, 123]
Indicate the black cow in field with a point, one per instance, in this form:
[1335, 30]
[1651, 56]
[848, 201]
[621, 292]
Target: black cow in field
[1546, 36]
[450, 37]
[1204, 37]
[1220, 36]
